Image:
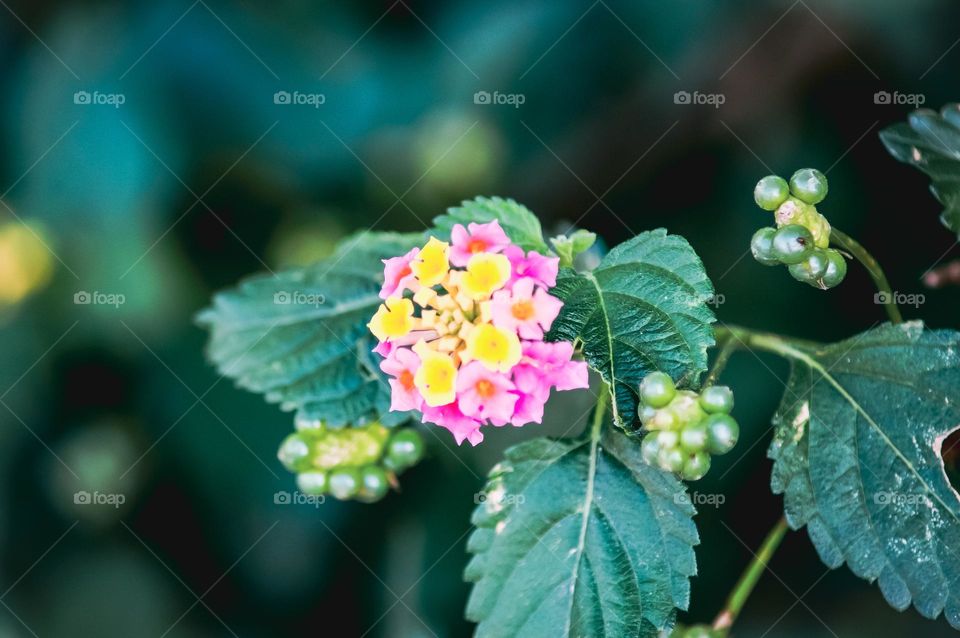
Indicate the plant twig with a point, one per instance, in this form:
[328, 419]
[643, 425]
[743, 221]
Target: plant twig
[848, 243]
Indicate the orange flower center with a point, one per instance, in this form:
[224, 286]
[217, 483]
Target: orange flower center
[406, 271]
[406, 380]
[485, 389]
[476, 246]
[522, 310]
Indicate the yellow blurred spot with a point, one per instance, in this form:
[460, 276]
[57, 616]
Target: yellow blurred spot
[496, 349]
[431, 265]
[436, 378]
[25, 263]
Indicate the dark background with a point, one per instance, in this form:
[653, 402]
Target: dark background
[119, 399]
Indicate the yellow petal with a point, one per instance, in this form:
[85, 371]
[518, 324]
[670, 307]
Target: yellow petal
[431, 265]
[498, 350]
[485, 273]
[393, 319]
[436, 378]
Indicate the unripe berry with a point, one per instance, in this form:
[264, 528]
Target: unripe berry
[761, 246]
[716, 398]
[650, 448]
[668, 439]
[695, 466]
[657, 389]
[646, 413]
[791, 244]
[344, 482]
[770, 192]
[671, 460]
[314, 483]
[812, 268]
[374, 484]
[404, 449]
[722, 433]
[665, 419]
[294, 453]
[693, 437]
[809, 185]
[836, 269]
[686, 406]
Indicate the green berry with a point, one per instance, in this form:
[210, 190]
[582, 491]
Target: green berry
[792, 211]
[313, 483]
[792, 243]
[657, 389]
[812, 268]
[762, 246]
[836, 269]
[695, 466]
[650, 448]
[809, 185]
[664, 419]
[722, 433]
[294, 453]
[693, 437]
[646, 413]
[344, 482]
[668, 439]
[818, 226]
[374, 484]
[686, 406]
[671, 460]
[699, 631]
[770, 192]
[404, 449]
[716, 398]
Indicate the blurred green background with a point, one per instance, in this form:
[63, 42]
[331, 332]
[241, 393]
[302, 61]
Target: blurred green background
[153, 152]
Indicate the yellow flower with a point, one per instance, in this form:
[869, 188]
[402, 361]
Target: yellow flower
[431, 266]
[393, 319]
[485, 273]
[436, 378]
[498, 350]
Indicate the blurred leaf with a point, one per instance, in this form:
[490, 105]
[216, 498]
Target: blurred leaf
[642, 309]
[569, 246]
[520, 225]
[580, 538]
[931, 142]
[300, 337]
[857, 454]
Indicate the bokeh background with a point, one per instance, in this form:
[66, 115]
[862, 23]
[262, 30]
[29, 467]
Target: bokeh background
[145, 162]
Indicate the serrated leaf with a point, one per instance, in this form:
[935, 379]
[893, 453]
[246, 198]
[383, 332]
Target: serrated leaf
[520, 225]
[580, 538]
[644, 308]
[931, 142]
[300, 337]
[857, 456]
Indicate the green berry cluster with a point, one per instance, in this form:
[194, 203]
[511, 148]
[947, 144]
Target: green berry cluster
[350, 463]
[685, 428]
[801, 240]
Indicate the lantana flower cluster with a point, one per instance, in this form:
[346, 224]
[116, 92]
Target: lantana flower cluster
[462, 332]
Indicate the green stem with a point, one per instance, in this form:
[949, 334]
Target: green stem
[751, 575]
[727, 346]
[600, 411]
[848, 243]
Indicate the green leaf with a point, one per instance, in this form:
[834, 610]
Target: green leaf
[857, 456]
[931, 142]
[300, 337]
[569, 246]
[644, 308]
[580, 538]
[520, 225]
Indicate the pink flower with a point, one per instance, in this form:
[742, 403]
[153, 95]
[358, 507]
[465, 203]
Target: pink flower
[533, 393]
[524, 311]
[552, 360]
[476, 238]
[485, 395]
[402, 364]
[541, 269]
[460, 425]
[397, 275]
